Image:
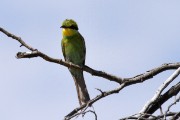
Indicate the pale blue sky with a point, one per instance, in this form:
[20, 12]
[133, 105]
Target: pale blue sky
[123, 37]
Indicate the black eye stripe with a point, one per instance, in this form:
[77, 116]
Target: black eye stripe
[73, 27]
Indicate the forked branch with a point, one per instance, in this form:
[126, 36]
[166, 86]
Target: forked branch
[123, 82]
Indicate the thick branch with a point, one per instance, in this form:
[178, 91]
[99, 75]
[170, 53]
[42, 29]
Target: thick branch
[149, 74]
[94, 72]
[175, 117]
[159, 91]
[36, 53]
[153, 117]
[174, 90]
[124, 82]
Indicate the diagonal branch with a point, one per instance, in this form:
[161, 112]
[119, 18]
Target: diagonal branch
[124, 82]
[159, 91]
[93, 72]
[152, 117]
[176, 116]
[16, 38]
[174, 90]
[36, 53]
[98, 97]
[171, 92]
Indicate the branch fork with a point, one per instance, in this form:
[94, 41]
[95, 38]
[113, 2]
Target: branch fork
[123, 82]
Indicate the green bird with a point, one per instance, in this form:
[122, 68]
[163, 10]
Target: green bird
[74, 51]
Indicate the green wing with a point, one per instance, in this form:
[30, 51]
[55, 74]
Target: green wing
[84, 48]
[63, 48]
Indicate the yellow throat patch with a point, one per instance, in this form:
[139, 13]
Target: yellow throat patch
[68, 32]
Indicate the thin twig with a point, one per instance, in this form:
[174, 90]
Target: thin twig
[95, 115]
[17, 38]
[176, 100]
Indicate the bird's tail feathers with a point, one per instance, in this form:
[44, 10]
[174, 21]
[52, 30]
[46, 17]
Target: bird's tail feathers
[81, 88]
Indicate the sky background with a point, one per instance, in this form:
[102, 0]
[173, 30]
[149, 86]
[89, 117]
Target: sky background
[123, 38]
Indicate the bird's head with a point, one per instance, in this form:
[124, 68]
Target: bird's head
[70, 27]
[69, 23]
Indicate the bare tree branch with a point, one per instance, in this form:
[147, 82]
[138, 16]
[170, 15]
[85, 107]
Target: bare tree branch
[83, 113]
[170, 114]
[95, 115]
[16, 38]
[139, 116]
[98, 97]
[171, 92]
[160, 89]
[124, 82]
[176, 116]
[35, 53]
[175, 102]
[174, 90]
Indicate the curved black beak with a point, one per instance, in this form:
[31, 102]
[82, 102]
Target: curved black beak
[62, 26]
